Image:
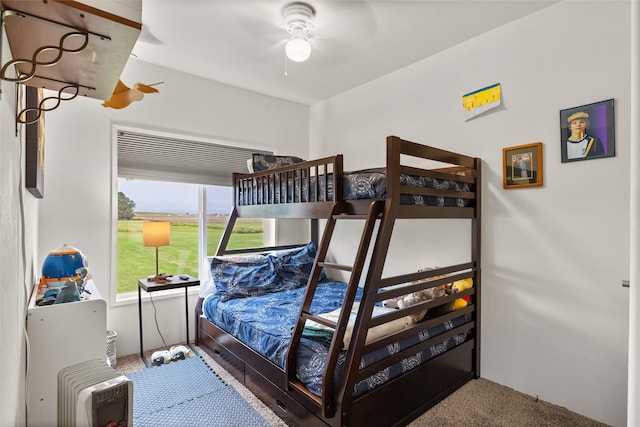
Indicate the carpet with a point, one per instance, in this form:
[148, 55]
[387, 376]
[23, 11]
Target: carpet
[487, 404]
[479, 403]
[188, 393]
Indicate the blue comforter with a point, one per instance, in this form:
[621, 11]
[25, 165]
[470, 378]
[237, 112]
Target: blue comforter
[264, 323]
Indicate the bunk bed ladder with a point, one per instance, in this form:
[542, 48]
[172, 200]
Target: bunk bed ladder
[327, 402]
[226, 234]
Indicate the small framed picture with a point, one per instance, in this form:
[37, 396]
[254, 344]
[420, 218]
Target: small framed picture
[522, 166]
[587, 132]
[34, 140]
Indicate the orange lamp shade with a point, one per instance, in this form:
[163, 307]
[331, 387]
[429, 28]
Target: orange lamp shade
[156, 233]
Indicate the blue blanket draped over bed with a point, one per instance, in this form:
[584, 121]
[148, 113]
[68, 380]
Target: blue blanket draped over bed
[264, 323]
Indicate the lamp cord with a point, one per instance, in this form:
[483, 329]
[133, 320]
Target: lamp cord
[155, 316]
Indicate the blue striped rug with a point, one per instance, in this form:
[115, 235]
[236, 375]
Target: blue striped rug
[188, 393]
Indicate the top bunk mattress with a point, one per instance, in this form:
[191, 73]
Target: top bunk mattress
[372, 184]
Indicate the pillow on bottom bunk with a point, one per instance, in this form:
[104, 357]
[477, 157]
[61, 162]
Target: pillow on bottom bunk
[252, 275]
[240, 277]
[293, 266]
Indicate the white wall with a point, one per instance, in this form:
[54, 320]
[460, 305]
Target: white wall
[554, 314]
[18, 221]
[79, 186]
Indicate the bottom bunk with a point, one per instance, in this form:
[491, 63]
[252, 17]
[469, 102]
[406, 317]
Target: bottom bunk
[397, 402]
[246, 326]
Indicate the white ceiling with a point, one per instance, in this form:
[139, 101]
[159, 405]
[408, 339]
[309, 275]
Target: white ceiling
[241, 42]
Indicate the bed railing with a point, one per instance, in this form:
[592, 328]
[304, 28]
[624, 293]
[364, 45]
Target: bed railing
[309, 189]
[394, 287]
[398, 286]
[450, 166]
[301, 190]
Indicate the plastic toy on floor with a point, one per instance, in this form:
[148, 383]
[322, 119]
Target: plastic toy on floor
[175, 353]
[160, 357]
[179, 352]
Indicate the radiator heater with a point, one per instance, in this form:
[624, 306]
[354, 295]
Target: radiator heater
[93, 394]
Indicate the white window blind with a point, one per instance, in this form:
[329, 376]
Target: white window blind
[145, 155]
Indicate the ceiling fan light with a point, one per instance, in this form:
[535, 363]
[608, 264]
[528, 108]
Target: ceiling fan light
[298, 50]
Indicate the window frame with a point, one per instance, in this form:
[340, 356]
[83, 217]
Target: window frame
[115, 299]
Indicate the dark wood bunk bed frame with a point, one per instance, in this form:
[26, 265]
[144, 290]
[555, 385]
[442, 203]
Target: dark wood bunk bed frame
[406, 397]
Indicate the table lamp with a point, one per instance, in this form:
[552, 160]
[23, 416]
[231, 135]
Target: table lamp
[156, 234]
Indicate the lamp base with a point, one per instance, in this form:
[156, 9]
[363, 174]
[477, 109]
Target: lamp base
[160, 278]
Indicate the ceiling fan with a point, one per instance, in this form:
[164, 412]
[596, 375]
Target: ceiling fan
[298, 20]
[325, 32]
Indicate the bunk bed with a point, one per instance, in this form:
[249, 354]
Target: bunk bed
[321, 352]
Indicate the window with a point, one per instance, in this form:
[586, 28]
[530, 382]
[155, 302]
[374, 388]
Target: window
[176, 203]
[246, 233]
[182, 181]
[140, 201]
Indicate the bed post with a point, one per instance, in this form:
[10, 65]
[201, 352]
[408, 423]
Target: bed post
[314, 231]
[476, 258]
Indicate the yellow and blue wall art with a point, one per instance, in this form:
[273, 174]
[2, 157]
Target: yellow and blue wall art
[481, 100]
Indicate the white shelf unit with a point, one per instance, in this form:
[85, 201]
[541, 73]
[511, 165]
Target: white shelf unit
[61, 335]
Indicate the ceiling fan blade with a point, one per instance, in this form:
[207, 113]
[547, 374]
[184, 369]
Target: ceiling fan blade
[264, 23]
[339, 17]
[339, 30]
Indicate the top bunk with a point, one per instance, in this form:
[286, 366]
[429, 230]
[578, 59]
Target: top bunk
[444, 185]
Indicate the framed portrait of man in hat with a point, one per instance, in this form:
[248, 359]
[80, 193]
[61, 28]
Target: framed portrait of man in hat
[587, 132]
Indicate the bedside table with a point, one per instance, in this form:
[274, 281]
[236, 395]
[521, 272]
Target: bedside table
[175, 283]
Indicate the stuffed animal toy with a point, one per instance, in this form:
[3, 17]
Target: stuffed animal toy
[460, 303]
[459, 286]
[391, 302]
[420, 296]
[430, 294]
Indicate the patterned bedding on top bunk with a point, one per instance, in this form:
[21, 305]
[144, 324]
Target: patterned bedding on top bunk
[257, 299]
[372, 184]
[361, 184]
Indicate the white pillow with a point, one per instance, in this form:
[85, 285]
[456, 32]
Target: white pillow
[206, 283]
